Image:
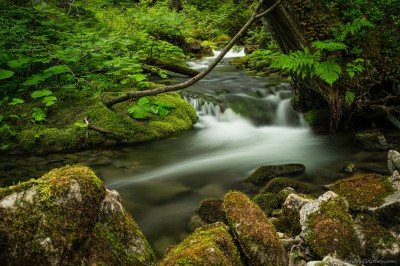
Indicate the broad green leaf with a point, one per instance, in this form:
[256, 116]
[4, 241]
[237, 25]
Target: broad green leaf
[137, 112]
[154, 109]
[16, 101]
[163, 111]
[38, 114]
[57, 70]
[36, 79]
[23, 60]
[163, 104]
[49, 100]
[124, 81]
[41, 93]
[143, 101]
[5, 74]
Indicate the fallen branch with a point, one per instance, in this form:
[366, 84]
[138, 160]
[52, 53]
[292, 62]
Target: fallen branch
[172, 67]
[136, 94]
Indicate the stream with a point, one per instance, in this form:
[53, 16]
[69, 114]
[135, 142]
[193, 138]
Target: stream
[245, 121]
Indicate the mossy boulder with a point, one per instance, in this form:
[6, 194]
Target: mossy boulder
[66, 128]
[265, 173]
[372, 193]
[67, 217]
[254, 232]
[208, 245]
[363, 190]
[377, 241]
[268, 202]
[371, 140]
[279, 183]
[328, 228]
[210, 211]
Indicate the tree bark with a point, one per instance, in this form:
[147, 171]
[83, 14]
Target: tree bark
[135, 94]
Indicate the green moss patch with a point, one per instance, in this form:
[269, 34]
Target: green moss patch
[265, 173]
[208, 245]
[277, 184]
[210, 211]
[254, 231]
[267, 202]
[363, 189]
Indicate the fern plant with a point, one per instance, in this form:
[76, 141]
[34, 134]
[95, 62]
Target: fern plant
[304, 63]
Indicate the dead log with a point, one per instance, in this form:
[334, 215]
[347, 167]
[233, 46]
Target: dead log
[172, 67]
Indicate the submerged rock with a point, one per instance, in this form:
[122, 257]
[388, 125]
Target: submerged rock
[208, 245]
[254, 232]
[265, 173]
[67, 217]
[327, 227]
[371, 140]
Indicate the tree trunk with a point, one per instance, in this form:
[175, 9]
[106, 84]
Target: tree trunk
[294, 29]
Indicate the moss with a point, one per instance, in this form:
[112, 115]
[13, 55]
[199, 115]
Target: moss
[375, 236]
[332, 231]
[317, 117]
[57, 224]
[288, 222]
[267, 202]
[265, 173]
[279, 183]
[254, 231]
[211, 211]
[364, 189]
[59, 132]
[208, 245]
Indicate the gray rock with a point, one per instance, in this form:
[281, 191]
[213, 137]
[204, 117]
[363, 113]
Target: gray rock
[295, 202]
[331, 261]
[393, 161]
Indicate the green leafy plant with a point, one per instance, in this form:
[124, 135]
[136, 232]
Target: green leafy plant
[145, 107]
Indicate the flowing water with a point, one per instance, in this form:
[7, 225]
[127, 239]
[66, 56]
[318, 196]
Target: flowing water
[245, 121]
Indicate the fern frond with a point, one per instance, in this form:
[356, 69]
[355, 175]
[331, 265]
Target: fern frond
[329, 45]
[351, 27]
[328, 71]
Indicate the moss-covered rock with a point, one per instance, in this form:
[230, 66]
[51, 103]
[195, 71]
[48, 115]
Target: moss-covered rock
[363, 190]
[55, 220]
[265, 173]
[377, 241]
[255, 233]
[268, 202]
[279, 183]
[371, 140]
[65, 127]
[327, 227]
[208, 245]
[210, 211]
